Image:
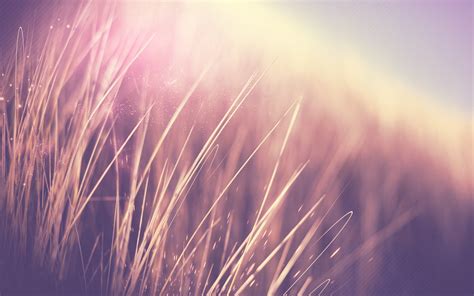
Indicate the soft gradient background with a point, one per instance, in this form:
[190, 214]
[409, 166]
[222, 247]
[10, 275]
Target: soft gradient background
[426, 45]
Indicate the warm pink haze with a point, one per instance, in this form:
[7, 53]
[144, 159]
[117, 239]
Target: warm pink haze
[211, 148]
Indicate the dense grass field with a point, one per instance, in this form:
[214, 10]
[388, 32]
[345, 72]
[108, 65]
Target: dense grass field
[197, 149]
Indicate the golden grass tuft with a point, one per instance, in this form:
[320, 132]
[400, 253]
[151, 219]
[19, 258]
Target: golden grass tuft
[166, 161]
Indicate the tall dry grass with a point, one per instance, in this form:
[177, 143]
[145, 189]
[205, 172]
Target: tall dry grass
[175, 161]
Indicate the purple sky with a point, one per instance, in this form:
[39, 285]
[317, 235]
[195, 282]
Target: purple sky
[426, 45]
